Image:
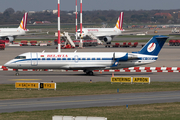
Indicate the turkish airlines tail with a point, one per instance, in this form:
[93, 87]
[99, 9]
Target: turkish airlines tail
[24, 22]
[119, 23]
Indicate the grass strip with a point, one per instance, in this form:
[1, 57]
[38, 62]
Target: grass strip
[8, 91]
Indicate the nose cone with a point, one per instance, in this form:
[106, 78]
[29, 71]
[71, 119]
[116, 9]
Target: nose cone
[8, 64]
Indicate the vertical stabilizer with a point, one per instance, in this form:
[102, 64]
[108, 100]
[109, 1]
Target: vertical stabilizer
[119, 23]
[154, 45]
[24, 22]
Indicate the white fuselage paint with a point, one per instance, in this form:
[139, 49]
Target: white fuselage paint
[100, 32]
[79, 60]
[11, 32]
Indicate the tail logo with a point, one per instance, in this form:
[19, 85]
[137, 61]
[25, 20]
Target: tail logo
[119, 23]
[24, 21]
[151, 47]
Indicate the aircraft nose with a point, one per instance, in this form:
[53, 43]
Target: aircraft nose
[6, 65]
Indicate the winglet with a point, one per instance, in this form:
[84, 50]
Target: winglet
[24, 22]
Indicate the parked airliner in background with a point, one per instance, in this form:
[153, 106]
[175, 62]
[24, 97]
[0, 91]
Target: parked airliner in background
[11, 33]
[89, 61]
[105, 34]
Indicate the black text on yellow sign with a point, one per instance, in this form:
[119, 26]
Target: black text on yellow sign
[141, 79]
[26, 85]
[48, 85]
[121, 79]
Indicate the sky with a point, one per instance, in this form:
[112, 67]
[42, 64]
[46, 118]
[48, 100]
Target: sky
[68, 5]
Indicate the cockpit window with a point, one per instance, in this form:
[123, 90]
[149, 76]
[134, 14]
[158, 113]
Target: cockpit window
[20, 57]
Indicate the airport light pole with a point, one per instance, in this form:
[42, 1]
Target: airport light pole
[76, 19]
[80, 24]
[59, 33]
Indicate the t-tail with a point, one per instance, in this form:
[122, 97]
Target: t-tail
[154, 45]
[119, 23]
[24, 22]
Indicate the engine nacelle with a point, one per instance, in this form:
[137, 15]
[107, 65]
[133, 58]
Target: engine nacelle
[132, 56]
[124, 56]
[11, 39]
[107, 39]
[120, 56]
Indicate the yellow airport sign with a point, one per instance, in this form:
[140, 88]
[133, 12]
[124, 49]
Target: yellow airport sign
[141, 80]
[33, 85]
[121, 79]
[48, 85]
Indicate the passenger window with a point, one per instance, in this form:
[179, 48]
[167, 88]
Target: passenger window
[83, 58]
[63, 58]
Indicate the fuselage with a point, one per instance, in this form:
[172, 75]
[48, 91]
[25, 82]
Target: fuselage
[79, 60]
[100, 32]
[11, 32]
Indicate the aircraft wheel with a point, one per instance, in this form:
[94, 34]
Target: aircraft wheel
[16, 74]
[89, 73]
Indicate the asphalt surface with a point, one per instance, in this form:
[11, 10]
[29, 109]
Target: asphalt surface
[87, 101]
[168, 57]
[42, 76]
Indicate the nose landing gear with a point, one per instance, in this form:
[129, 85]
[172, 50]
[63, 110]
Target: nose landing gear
[17, 73]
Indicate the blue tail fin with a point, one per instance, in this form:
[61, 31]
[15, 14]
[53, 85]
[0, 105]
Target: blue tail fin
[154, 45]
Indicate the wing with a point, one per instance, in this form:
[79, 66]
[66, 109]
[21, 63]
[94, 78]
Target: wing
[84, 67]
[36, 32]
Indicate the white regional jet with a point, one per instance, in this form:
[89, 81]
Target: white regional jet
[12, 33]
[89, 61]
[105, 34]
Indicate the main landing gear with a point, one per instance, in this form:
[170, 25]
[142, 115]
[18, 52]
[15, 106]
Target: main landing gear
[89, 72]
[17, 73]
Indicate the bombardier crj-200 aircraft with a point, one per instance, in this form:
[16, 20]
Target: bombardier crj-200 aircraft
[105, 34]
[89, 61]
[12, 33]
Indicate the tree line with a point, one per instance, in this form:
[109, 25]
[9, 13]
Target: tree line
[9, 16]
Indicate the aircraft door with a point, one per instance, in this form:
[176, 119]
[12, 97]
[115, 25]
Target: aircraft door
[76, 59]
[113, 58]
[34, 59]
